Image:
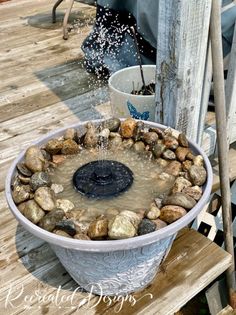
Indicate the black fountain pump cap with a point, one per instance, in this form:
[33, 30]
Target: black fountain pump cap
[102, 179]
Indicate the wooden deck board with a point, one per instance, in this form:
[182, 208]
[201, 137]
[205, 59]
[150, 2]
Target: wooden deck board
[43, 87]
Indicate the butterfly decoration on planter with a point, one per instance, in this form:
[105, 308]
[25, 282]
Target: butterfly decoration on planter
[135, 114]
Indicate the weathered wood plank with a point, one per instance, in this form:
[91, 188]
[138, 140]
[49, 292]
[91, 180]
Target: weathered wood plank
[230, 92]
[182, 26]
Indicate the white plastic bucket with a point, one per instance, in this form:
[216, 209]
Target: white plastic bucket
[125, 104]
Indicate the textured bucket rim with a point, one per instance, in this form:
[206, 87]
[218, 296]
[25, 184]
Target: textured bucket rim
[112, 77]
[109, 245]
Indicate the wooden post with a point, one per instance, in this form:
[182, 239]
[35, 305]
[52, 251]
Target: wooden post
[220, 110]
[182, 36]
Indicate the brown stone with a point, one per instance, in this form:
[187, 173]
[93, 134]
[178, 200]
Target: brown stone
[150, 138]
[180, 184]
[91, 136]
[195, 192]
[70, 134]
[186, 165]
[198, 175]
[171, 213]
[159, 224]
[58, 159]
[21, 193]
[45, 198]
[183, 141]
[33, 212]
[98, 229]
[127, 128]
[34, 159]
[69, 147]
[173, 168]
[54, 146]
[171, 142]
[181, 153]
[179, 199]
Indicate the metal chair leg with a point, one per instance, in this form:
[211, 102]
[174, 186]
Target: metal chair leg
[54, 10]
[65, 21]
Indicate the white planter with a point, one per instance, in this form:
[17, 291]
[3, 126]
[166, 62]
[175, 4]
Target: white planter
[125, 104]
[111, 267]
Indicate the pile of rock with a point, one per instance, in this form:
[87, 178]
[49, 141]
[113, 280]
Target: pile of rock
[36, 196]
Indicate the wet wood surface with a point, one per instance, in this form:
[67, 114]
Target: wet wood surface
[43, 86]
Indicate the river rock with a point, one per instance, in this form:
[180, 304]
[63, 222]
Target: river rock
[139, 131]
[70, 147]
[57, 188]
[61, 233]
[186, 165]
[98, 229]
[58, 159]
[164, 182]
[64, 204]
[39, 179]
[179, 199]
[33, 212]
[159, 224]
[75, 214]
[161, 163]
[181, 153]
[67, 226]
[146, 226]
[120, 228]
[127, 128]
[173, 168]
[24, 180]
[150, 138]
[115, 140]
[70, 133]
[132, 216]
[158, 202]
[169, 155]
[171, 142]
[91, 137]
[195, 192]
[198, 160]
[48, 222]
[158, 131]
[139, 146]
[198, 175]
[190, 156]
[113, 124]
[81, 226]
[34, 159]
[45, 197]
[180, 184]
[21, 193]
[23, 170]
[170, 213]
[127, 143]
[158, 149]
[54, 146]
[21, 207]
[183, 141]
[81, 236]
[46, 155]
[153, 213]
